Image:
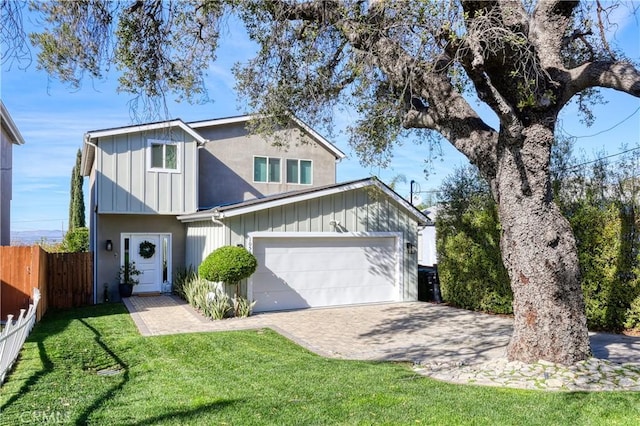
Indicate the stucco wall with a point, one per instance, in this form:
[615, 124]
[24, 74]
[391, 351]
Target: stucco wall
[226, 163]
[111, 226]
[125, 185]
[360, 210]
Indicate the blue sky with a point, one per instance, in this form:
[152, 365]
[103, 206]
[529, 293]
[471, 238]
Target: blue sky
[53, 119]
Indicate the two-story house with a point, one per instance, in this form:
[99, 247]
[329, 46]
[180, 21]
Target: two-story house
[165, 195]
[10, 136]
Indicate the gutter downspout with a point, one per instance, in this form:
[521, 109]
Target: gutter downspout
[94, 231]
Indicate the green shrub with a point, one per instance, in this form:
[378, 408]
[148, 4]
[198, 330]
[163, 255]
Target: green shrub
[183, 276]
[228, 264]
[242, 307]
[470, 267]
[217, 304]
[632, 320]
[206, 297]
[606, 240]
[195, 292]
[76, 240]
[471, 272]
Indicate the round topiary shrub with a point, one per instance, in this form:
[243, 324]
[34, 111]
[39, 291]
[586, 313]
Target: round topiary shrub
[228, 264]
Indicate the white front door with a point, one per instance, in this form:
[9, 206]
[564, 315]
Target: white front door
[149, 263]
[150, 278]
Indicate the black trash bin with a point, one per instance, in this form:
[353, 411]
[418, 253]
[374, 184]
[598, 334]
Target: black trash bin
[429, 284]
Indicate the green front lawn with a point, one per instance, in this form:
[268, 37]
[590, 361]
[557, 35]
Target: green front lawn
[251, 377]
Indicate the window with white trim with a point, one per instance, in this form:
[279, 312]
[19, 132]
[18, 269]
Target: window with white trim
[163, 156]
[266, 169]
[299, 171]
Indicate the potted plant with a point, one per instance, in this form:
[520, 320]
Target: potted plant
[127, 278]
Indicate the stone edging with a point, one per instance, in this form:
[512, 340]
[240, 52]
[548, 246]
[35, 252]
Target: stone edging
[591, 375]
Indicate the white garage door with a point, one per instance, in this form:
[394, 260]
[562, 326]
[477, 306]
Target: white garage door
[302, 272]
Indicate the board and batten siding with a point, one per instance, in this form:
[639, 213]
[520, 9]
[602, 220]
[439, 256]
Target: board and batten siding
[203, 237]
[6, 147]
[359, 210]
[125, 185]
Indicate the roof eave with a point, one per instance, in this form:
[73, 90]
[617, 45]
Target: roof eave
[244, 118]
[221, 121]
[7, 121]
[317, 136]
[96, 134]
[88, 156]
[410, 208]
[219, 213]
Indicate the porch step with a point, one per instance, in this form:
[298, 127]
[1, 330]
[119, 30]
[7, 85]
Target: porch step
[148, 294]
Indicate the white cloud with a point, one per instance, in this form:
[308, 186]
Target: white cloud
[218, 74]
[22, 186]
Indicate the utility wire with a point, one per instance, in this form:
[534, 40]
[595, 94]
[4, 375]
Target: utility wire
[577, 166]
[605, 130]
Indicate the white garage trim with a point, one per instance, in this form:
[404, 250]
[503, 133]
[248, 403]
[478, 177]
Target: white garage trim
[397, 247]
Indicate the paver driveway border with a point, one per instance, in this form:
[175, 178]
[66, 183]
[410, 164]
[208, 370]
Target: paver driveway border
[418, 332]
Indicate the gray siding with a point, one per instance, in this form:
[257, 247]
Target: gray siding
[6, 160]
[361, 210]
[203, 237]
[125, 185]
[226, 163]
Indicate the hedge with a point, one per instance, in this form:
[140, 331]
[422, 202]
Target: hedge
[472, 275]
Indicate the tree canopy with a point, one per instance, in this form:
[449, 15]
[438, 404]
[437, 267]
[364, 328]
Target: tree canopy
[396, 63]
[402, 66]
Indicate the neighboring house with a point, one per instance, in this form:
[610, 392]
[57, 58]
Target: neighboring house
[10, 136]
[427, 254]
[189, 188]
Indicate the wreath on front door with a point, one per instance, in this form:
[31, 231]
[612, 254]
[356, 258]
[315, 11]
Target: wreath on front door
[147, 249]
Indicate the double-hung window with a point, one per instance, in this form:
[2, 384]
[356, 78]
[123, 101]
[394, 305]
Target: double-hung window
[299, 171]
[163, 156]
[266, 169]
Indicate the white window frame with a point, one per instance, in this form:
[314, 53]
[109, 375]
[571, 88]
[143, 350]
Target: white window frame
[150, 143]
[286, 170]
[268, 158]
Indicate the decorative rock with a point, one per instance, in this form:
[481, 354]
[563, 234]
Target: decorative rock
[590, 375]
[627, 382]
[555, 383]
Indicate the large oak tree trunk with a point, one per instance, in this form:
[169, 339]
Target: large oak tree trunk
[539, 252]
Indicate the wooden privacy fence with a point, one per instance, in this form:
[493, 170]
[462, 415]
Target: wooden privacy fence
[65, 280]
[70, 280]
[21, 270]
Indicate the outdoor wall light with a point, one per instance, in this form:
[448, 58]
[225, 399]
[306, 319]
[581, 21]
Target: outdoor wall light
[109, 245]
[411, 249]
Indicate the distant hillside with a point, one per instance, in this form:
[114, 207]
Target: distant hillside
[27, 238]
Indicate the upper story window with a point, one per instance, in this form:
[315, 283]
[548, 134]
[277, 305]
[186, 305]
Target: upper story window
[163, 156]
[299, 171]
[266, 169]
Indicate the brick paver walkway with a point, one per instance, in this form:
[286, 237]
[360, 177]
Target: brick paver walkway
[408, 331]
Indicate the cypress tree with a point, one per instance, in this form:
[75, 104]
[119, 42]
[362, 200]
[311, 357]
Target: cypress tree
[76, 202]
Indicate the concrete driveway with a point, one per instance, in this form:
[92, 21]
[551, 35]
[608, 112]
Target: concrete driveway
[410, 331]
